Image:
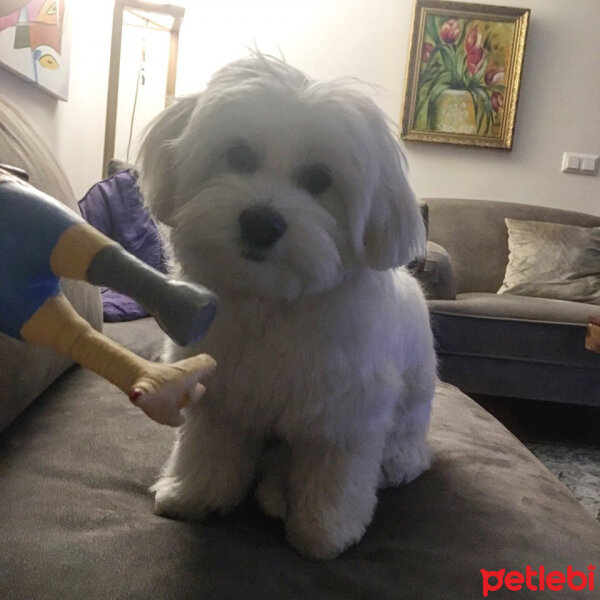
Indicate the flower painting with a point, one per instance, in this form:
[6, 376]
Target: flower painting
[464, 73]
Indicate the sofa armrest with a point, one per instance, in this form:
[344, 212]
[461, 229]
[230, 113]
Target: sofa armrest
[437, 275]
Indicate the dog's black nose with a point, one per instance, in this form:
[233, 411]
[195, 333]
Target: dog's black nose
[261, 226]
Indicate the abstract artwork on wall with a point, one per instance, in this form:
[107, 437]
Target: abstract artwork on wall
[464, 73]
[34, 42]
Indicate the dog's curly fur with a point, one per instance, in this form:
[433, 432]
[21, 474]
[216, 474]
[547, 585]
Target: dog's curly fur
[288, 197]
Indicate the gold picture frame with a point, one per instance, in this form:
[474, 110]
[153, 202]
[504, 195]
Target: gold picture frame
[464, 73]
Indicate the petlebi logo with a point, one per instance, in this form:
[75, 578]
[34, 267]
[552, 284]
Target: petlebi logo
[540, 580]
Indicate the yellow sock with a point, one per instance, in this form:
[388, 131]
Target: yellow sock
[161, 390]
[75, 250]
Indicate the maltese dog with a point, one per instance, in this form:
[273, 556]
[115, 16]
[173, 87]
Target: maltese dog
[288, 197]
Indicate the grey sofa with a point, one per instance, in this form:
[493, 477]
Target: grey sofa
[76, 516]
[503, 345]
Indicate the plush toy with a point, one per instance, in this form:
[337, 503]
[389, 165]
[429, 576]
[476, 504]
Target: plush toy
[42, 240]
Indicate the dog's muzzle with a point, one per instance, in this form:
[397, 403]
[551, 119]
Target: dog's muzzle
[260, 229]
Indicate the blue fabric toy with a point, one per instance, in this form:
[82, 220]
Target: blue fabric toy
[41, 240]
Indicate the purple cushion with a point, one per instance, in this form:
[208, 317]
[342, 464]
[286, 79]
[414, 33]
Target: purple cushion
[114, 207]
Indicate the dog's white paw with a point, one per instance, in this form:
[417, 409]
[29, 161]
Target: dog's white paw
[320, 538]
[271, 495]
[404, 466]
[272, 491]
[173, 501]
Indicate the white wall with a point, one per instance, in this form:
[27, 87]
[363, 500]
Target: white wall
[154, 44]
[558, 109]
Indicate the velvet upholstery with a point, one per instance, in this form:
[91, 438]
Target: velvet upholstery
[76, 517]
[504, 344]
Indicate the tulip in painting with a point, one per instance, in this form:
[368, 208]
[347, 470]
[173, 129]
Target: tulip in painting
[461, 83]
[450, 31]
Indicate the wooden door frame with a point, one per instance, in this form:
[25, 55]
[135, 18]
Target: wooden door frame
[112, 102]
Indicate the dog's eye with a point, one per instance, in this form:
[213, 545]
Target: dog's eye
[315, 179]
[242, 158]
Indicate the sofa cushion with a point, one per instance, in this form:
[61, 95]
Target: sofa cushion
[77, 517]
[553, 260]
[516, 346]
[25, 371]
[514, 327]
[509, 306]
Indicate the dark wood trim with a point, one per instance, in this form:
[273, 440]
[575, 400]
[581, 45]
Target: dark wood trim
[172, 68]
[113, 86]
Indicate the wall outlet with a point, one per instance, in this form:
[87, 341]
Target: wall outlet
[582, 164]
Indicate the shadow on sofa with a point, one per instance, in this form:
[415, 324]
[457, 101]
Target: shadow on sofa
[503, 344]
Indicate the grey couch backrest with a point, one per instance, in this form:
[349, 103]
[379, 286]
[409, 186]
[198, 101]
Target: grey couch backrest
[21, 145]
[474, 234]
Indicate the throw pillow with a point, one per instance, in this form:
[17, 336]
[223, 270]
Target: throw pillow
[553, 260]
[114, 207]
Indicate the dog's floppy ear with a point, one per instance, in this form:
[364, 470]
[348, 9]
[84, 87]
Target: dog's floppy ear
[394, 234]
[156, 158]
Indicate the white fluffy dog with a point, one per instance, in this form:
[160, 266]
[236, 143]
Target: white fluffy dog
[288, 198]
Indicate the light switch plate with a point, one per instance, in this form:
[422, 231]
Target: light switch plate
[582, 164]
[589, 164]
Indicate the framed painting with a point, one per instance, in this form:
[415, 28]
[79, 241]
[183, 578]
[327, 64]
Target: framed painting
[464, 73]
[34, 43]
